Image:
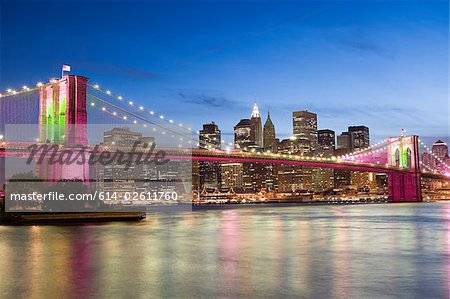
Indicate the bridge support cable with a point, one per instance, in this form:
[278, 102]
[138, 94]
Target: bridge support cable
[152, 113]
[433, 163]
[143, 119]
[134, 115]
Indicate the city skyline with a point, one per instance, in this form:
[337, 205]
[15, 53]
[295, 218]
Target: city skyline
[224, 149]
[329, 58]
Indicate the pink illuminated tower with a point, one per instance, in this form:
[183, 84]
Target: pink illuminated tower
[403, 152]
[63, 120]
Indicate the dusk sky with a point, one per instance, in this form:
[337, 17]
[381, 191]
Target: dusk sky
[381, 64]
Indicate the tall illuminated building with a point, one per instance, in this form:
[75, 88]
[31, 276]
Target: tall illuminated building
[440, 149]
[305, 127]
[342, 177]
[269, 141]
[209, 171]
[440, 152]
[232, 176]
[323, 178]
[359, 137]
[244, 134]
[209, 136]
[256, 120]
[343, 141]
[326, 140]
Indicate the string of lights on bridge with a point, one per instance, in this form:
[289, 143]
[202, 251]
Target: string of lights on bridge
[150, 112]
[349, 158]
[376, 148]
[345, 158]
[429, 151]
[145, 120]
[24, 89]
[359, 153]
[144, 124]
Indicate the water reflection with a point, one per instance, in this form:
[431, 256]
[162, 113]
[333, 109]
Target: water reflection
[317, 252]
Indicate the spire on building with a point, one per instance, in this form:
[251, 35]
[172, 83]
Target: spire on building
[268, 121]
[255, 113]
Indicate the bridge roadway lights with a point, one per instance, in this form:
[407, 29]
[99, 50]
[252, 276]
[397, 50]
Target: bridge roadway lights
[404, 187]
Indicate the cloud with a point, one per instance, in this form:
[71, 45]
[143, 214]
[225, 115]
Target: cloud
[112, 69]
[358, 40]
[363, 45]
[370, 111]
[203, 99]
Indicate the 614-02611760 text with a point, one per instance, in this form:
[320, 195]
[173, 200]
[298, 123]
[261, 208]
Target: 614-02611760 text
[102, 196]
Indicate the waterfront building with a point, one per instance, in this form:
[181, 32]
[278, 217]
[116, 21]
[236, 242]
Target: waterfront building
[323, 178]
[342, 177]
[121, 136]
[232, 176]
[209, 171]
[305, 127]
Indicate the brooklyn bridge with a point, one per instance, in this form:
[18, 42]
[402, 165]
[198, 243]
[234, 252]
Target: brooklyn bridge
[63, 109]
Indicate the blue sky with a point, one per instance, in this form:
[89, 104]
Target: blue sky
[382, 64]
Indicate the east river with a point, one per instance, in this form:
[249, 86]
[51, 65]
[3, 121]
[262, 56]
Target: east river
[346, 251]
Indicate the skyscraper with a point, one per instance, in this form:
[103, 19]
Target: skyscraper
[244, 134]
[256, 120]
[359, 137]
[232, 176]
[305, 127]
[440, 149]
[342, 177]
[209, 172]
[440, 152]
[210, 136]
[326, 139]
[269, 141]
[343, 141]
[323, 178]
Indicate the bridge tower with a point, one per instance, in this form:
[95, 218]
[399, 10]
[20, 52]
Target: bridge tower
[63, 120]
[403, 152]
